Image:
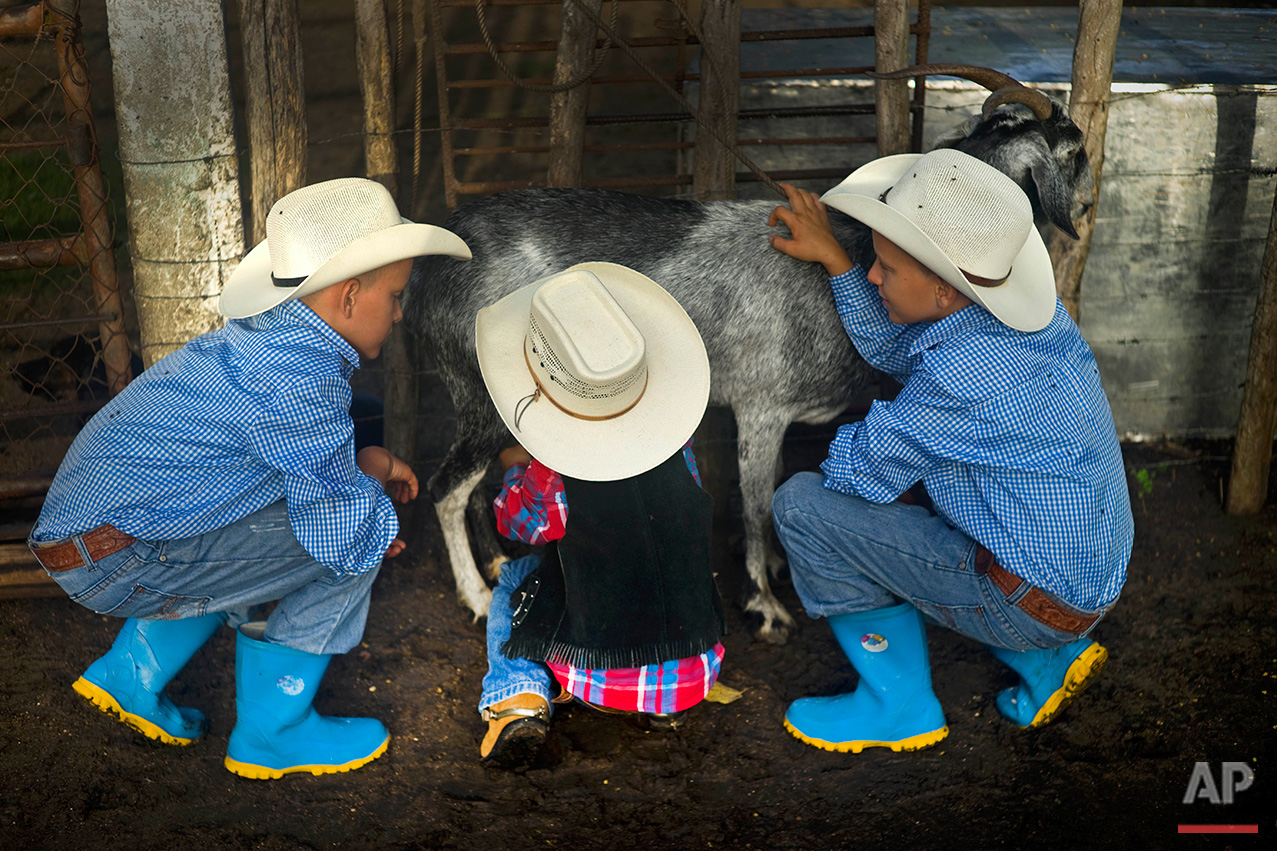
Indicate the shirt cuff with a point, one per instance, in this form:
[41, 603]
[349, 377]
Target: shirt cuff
[539, 478]
[852, 291]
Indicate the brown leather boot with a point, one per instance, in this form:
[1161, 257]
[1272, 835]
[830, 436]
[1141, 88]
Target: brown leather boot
[517, 729]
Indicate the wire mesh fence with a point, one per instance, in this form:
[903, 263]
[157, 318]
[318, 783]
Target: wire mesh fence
[63, 345]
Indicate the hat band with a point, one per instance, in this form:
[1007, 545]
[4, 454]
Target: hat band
[287, 282]
[976, 280]
[541, 391]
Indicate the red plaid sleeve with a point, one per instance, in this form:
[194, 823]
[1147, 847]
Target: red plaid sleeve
[532, 506]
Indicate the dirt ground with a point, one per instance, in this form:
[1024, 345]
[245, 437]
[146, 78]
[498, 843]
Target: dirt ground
[1194, 659]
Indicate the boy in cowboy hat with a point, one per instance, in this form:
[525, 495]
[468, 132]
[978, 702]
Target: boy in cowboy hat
[1002, 418]
[602, 377]
[225, 476]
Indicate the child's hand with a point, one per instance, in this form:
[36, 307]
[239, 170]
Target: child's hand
[513, 455]
[396, 547]
[395, 476]
[811, 235]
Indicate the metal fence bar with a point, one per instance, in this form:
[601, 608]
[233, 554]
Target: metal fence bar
[57, 256]
[456, 118]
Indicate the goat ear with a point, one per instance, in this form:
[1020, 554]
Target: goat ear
[1053, 192]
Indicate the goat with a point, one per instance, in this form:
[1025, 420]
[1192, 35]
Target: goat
[777, 350]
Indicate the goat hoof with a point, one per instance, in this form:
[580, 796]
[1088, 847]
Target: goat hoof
[478, 603]
[774, 633]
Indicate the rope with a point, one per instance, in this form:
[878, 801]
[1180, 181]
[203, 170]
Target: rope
[419, 27]
[542, 87]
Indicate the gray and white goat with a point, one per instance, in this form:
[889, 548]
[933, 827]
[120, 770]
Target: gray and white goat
[777, 350]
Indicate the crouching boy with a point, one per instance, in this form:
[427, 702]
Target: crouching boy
[1003, 419]
[602, 377]
[225, 476]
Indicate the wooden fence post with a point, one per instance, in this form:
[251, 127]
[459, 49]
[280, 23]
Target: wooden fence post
[1253, 451]
[891, 97]
[1097, 28]
[381, 163]
[372, 49]
[714, 169]
[275, 104]
[568, 108]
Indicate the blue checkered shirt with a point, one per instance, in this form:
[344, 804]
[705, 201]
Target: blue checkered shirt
[233, 421]
[1010, 433]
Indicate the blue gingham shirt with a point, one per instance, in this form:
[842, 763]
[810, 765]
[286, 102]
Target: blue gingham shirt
[1010, 433]
[233, 421]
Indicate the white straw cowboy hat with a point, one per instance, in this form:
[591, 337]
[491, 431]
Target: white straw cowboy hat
[324, 234]
[954, 214]
[597, 371]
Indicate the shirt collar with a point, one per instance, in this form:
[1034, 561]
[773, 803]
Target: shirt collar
[969, 319]
[294, 313]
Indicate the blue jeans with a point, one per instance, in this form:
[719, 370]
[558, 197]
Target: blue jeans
[252, 561]
[507, 677]
[848, 555]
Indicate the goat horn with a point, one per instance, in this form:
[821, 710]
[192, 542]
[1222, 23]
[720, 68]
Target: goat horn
[1004, 88]
[1031, 98]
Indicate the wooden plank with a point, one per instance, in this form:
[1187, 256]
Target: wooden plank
[22, 576]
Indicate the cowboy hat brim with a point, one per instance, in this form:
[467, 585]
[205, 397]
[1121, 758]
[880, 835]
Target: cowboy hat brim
[1025, 301]
[603, 450]
[250, 290]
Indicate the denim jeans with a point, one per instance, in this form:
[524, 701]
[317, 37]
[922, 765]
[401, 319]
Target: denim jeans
[507, 677]
[847, 555]
[252, 561]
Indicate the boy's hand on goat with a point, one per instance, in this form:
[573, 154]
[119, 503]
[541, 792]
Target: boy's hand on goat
[811, 235]
[395, 475]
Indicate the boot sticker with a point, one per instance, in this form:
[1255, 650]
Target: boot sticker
[873, 642]
[290, 685]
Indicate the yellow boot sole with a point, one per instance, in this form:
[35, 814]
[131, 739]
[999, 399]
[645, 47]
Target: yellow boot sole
[261, 772]
[912, 743]
[103, 700]
[1085, 668]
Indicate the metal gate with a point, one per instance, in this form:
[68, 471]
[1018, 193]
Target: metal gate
[62, 330]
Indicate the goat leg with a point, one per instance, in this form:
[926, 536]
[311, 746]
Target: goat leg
[471, 589]
[759, 437]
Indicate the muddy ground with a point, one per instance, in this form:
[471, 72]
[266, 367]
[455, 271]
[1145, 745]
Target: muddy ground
[1193, 677]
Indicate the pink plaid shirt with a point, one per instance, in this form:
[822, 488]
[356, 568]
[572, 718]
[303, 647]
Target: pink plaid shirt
[532, 507]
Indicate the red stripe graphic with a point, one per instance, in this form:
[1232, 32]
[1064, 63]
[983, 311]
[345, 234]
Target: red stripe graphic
[1219, 828]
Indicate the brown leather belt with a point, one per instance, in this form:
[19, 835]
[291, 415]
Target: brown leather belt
[65, 555]
[1036, 603]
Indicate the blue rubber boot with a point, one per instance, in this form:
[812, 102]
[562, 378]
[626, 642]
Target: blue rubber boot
[893, 706]
[1049, 680]
[277, 731]
[129, 680]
